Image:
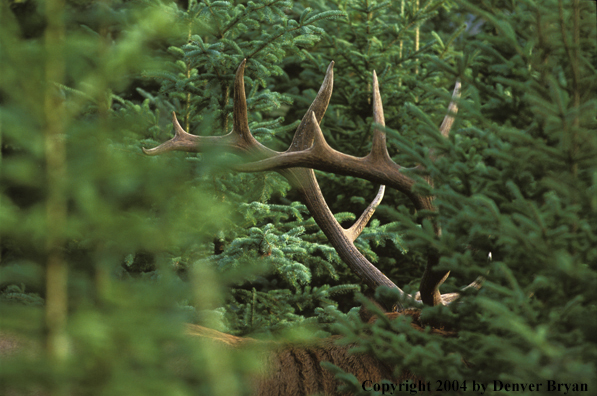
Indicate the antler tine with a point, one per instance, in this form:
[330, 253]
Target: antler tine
[353, 232]
[321, 101]
[303, 137]
[379, 148]
[182, 141]
[449, 298]
[241, 118]
[244, 139]
[239, 139]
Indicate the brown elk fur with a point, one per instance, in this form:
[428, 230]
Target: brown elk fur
[296, 369]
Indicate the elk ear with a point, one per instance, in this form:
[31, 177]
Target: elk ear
[368, 307]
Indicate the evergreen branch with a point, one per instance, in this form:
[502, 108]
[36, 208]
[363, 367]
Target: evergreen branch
[249, 9]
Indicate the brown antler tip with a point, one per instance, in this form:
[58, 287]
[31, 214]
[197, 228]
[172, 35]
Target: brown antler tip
[375, 82]
[241, 67]
[240, 74]
[178, 130]
[378, 116]
[162, 148]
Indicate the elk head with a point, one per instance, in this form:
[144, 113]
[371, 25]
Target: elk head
[309, 150]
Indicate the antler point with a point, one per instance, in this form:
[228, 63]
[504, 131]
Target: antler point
[150, 152]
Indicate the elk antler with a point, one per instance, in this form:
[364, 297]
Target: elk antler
[309, 150]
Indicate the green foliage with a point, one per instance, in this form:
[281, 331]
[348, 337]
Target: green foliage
[107, 253]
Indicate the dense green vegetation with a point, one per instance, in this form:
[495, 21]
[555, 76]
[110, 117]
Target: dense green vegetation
[107, 253]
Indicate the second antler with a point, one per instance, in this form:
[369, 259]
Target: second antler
[309, 150]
